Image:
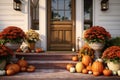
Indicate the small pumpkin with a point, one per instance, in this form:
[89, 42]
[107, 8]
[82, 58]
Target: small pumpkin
[13, 66]
[89, 68]
[107, 72]
[23, 69]
[97, 67]
[75, 58]
[22, 62]
[96, 73]
[72, 69]
[84, 71]
[31, 68]
[10, 72]
[38, 50]
[79, 66]
[69, 66]
[86, 60]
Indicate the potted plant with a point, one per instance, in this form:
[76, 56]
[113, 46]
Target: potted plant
[5, 55]
[32, 37]
[12, 34]
[112, 57]
[96, 37]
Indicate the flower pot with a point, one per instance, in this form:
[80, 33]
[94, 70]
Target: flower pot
[114, 66]
[2, 64]
[13, 46]
[97, 47]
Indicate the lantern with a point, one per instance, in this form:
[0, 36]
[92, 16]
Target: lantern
[104, 5]
[17, 5]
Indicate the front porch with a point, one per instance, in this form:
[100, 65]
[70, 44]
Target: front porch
[52, 66]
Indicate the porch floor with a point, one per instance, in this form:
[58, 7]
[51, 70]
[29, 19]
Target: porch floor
[55, 74]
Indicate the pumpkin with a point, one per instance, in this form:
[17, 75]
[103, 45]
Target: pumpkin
[75, 58]
[107, 72]
[72, 69]
[79, 66]
[89, 68]
[69, 66]
[96, 73]
[22, 62]
[13, 66]
[10, 72]
[86, 60]
[38, 50]
[31, 68]
[23, 69]
[84, 71]
[97, 67]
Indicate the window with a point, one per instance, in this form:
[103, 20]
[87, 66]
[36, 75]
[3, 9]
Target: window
[88, 13]
[61, 12]
[34, 14]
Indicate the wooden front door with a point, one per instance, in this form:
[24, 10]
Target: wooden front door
[61, 25]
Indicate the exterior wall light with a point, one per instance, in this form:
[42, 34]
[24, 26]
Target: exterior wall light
[104, 5]
[17, 5]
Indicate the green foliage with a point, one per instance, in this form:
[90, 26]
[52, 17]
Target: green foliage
[114, 42]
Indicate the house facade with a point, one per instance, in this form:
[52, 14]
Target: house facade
[61, 23]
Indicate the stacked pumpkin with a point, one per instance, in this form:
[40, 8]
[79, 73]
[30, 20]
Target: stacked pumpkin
[88, 66]
[20, 66]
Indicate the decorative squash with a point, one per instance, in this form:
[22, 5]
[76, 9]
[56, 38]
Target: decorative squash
[69, 66]
[97, 67]
[96, 73]
[107, 72]
[89, 68]
[23, 69]
[84, 71]
[79, 66]
[13, 66]
[10, 72]
[86, 60]
[31, 68]
[72, 69]
[75, 58]
[22, 62]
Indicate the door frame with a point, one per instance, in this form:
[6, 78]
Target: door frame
[73, 22]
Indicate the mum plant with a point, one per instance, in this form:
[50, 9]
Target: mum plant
[112, 54]
[12, 34]
[96, 34]
[32, 36]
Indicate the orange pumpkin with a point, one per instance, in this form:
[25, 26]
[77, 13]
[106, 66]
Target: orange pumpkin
[13, 66]
[69, 66]
[107, 72]
[84, 71]
[75, 58]
[96, 73]
[97, 67]
[86, 60]
[89, 68]
[22, 62]
[31, 68]
[38, 50]
[10, 72]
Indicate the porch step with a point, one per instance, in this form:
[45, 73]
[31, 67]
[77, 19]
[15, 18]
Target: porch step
[48, 60]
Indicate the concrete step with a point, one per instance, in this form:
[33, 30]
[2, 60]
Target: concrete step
[50, 64]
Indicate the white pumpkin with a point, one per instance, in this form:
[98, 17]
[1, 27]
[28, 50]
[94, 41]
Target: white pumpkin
[99, 59]
[114, 73]
[89, 72]
[118, 72]
[2, 72]
[72, 69]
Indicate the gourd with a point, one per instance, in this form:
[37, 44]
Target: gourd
[84, 71]
[31, 68]
[13, 66]
[97, 67]
[75, 58]
[79, 66]
[86, 60]
[23, 69]
[69, 66]
[72, 69]
[22, 62]
[2, 72]
[107, 72]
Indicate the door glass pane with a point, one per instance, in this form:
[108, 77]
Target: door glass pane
[67, 15]
[68, 4]
[61, 4]
[61, 15]
[54, 4]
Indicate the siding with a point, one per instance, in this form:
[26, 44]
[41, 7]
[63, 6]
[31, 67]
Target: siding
[109, 19]
[10, 17]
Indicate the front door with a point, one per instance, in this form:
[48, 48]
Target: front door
[61, 25]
